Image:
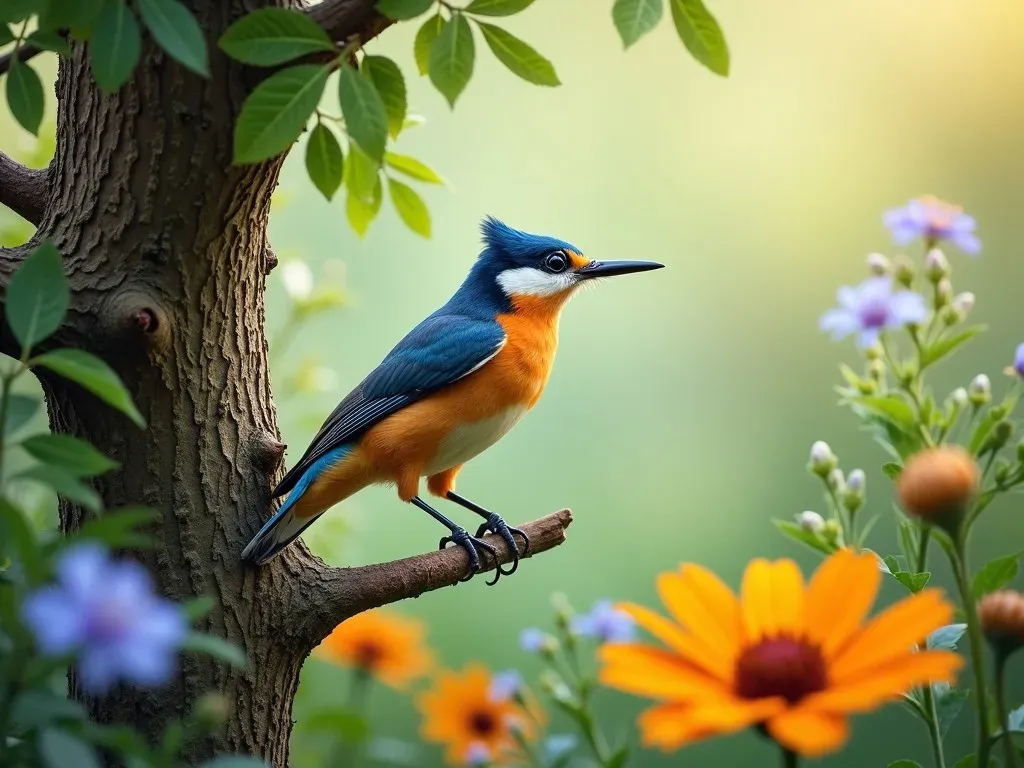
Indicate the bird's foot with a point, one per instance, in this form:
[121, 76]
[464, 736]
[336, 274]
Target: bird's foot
[495, 524]
[461, 537]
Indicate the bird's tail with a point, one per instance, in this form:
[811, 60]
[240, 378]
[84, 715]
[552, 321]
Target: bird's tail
[287, 524]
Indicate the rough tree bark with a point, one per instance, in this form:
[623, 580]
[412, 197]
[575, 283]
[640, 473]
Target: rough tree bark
[165, 247]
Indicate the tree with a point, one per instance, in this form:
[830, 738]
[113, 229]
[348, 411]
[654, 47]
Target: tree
[168, 148]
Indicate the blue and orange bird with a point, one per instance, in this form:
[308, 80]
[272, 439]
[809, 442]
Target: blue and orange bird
[455, 385]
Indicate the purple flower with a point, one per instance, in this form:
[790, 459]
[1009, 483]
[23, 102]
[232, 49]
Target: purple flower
[1017, 369]
[606, 623]
[106, 612]
[477, 754]
[934, 220]
[871, 307]
[505, 685]
[532, 640]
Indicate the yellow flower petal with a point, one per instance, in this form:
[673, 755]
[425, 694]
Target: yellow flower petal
[674, 725]
[652, 672]
[702, 603]
[689, 646]
[669, 727]
[809, 733]
[890, 635]
[884, 684]
[773, 598]
[840, 595]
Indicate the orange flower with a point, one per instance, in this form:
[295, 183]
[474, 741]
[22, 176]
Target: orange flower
[383, 644]
[938, 482]
[794, 659]
[461, 712]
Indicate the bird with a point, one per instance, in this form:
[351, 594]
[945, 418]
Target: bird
[450, 389]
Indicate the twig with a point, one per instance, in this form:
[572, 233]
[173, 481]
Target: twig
[24, 190]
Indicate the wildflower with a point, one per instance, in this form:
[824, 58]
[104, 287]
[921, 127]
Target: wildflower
[506, 685]
[823, 460]
[963, 303]
[106, 611]
[934, 220]
[980, 389]
[477, 754]
[811, 522]
[1002, 618]
[836, 480]
[1017, 369]
[943, 292]
[936, 265]
[937, 483]
[606, 623]
[878, 264]
[298, 279]
[870, 308]
[853, 493]
[382, 644]
[460, 711]
[794, 659]
[958, 397]
[533, 640]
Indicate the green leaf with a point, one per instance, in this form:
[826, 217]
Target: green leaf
[424, 41]
[798, 534]
[37, 297]
[390, 84]
[235, 761]
[360, 212]
[276, 112]
[892, 407]
[34, 709]
[119, 529]
[176, 30]
[945, 347]
[908, 535]
[967, 761]
[45, 40]
[619, 759]
[635, 18]
[451, 58]
[75, 457]
[6, 36]
[497, 7]
[948, 703]
[403, 10]
[412, 167]
[20, 410]
[64, 485]
[915, 582]
[217, 647]
[349, 724]
[17, 10]
[892, 470]
[362, 175]
[410, 207]
[518, 57]
[60, 750]
[366, 119]
[67, 14]
[198, 607]
[272, 36]
[94, 375]
[995, 575]
[325, 162]
[115, 45]
[19, 540]
[701, 34]
[945, 638]
[904, 764]
[25, 96]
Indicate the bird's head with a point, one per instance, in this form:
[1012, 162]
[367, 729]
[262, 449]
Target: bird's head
[537, 272]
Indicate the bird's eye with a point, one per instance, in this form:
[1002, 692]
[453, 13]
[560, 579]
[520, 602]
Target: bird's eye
[556, 262]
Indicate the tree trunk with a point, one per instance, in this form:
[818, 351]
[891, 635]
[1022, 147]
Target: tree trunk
[165, 248]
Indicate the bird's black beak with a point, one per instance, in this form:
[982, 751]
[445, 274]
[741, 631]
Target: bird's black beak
[612, 268]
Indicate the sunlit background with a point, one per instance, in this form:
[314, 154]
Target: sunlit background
[683, 402]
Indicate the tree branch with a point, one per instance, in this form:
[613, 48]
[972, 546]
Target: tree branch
[23, 53]
[24, 190]
[337, 594]
[345, 19]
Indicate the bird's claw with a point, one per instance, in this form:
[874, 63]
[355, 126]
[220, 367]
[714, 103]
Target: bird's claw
[495, 524]
[461, 538]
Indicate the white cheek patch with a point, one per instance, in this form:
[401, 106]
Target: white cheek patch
[529, 281]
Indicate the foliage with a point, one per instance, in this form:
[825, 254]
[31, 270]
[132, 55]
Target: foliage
[39, 725]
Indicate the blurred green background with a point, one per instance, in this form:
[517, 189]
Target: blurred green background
[683, 402]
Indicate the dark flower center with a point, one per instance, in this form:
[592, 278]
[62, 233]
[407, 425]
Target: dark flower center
[482, 723]
[780, 666]
[874, 314]
[109, 622]
[368, 654]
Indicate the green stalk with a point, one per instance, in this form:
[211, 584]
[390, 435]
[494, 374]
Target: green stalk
[977, 645]
[789, 758]
[1009, 753]
[930, 711]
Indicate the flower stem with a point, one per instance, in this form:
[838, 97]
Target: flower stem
[789, 758]
[357, 693]
[930, 710]
[977, 644]
[1009, 751]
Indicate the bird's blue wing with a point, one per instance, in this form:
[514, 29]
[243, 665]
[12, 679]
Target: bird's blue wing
[440, 350]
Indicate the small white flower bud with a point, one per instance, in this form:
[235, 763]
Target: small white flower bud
[879, 264]
[822, 458]
[963, 303]
[904, 271]
[980, 389]
[856, 481]
[959, 397]
[836, 480]
[943, 292]
[936, 266]
[811, 522]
